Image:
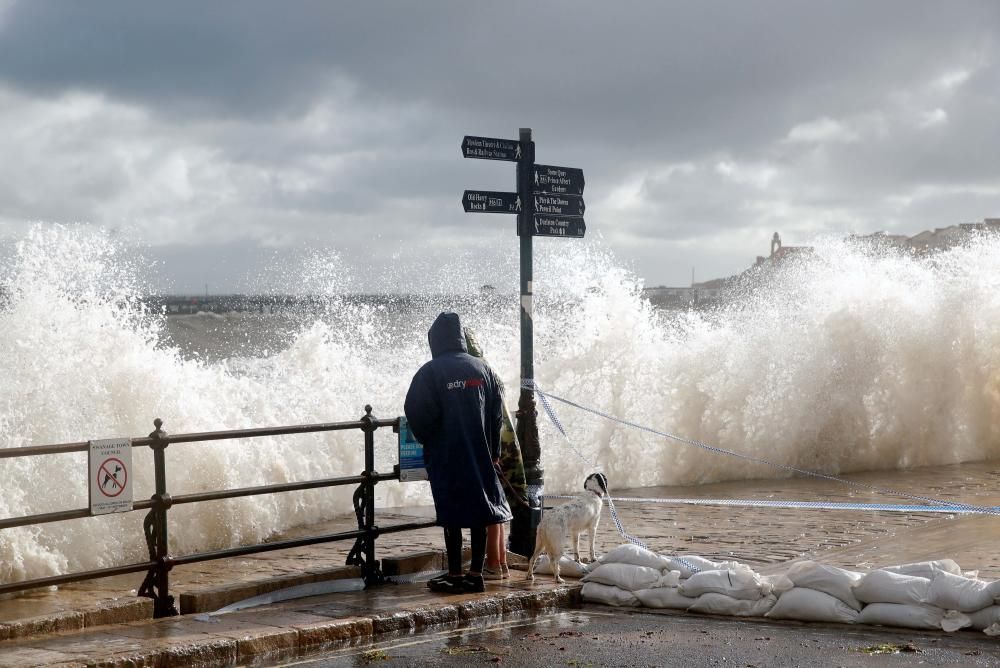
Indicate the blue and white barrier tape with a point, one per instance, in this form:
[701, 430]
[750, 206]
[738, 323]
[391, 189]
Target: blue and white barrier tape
[611, 506]
[948, 506]
[811, 505]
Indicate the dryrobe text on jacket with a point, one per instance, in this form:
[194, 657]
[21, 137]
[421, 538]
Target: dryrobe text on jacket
[454, 409]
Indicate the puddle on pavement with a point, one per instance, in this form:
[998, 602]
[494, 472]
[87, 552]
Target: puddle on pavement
[478, 642]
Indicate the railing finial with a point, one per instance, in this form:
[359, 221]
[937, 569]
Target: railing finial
[368, 409]
[158, 434]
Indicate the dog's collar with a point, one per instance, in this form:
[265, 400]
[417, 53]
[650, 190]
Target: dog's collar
[599, 495]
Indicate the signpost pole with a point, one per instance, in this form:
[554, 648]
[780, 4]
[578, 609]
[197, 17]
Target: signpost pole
[556, 193]
[525, 523]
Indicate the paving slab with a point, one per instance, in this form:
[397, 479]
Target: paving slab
[291, 628]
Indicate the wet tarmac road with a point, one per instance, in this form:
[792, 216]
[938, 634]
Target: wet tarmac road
[598, 636]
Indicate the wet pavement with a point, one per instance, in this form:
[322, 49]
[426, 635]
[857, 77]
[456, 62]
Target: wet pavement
[287, 630]
[598, 636]
[102, 619]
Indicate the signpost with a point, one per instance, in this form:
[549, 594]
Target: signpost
[559, 205]
[491, 201]
[549, 226]
[559, 180]
[548, 203]
[487, 148]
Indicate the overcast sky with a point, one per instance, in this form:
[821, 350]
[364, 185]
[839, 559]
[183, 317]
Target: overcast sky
[221, 135]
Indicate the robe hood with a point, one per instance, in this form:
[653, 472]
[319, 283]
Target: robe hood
[446, 335]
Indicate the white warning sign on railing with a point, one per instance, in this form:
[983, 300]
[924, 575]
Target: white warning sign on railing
[110, 468]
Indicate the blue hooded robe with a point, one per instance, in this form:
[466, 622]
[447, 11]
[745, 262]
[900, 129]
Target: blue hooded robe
[453, 407]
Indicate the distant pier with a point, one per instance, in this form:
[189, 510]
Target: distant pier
[190, 304]
[277, 303]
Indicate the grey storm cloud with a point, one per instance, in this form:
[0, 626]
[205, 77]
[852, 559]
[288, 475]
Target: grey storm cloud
[679, 68]
[261, 122]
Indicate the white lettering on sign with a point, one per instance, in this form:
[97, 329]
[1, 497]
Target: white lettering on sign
[551, 226]
[110, 476]
[480, 142]
[550, 204]
[550, 177]
[491, 149]
[491, 202]
[559, 180]
[411, 454]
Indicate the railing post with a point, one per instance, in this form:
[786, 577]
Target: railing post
[157, 583]
[363, 552]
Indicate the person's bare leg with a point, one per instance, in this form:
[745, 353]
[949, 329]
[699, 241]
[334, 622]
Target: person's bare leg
[502, 547]
[495, 554]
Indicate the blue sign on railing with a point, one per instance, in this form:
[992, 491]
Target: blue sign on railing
[411, 454]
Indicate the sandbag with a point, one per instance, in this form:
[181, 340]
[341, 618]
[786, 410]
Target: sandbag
[985, 618]
[568, 567]
[624, 576]
[775, 584]
[669, 579]
[740, 583]
[906, 616]
[954, 592]
[836, 582]
[637, 556]
[811, 605]
[596, 592]
[926, 569]
[720, 604]
[954, 620]
[689, 565]
[883, 586]
[664, 597]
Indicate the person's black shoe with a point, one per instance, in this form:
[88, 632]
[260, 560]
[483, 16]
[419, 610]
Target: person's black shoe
[473, 583]
[447, 585]
[438, 578]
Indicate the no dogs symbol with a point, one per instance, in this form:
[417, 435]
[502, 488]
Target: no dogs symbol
[112, 475]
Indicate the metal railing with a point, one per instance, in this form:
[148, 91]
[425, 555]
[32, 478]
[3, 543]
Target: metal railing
[156, 584]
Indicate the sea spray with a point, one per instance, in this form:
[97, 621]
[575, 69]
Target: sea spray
[87, 361]
[842, 360]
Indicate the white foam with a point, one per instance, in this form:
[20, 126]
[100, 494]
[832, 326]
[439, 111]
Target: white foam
[847, 362]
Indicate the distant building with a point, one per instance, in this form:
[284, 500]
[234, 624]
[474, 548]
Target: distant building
[695, 295]
[943, 238]
[930, 241]
[880, 241]
[667, 297]
[780, 253]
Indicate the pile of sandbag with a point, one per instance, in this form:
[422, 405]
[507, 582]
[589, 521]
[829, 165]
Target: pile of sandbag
[925, 595]
[632, 576]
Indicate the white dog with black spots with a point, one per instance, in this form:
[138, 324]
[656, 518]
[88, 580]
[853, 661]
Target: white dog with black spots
[573, 517]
